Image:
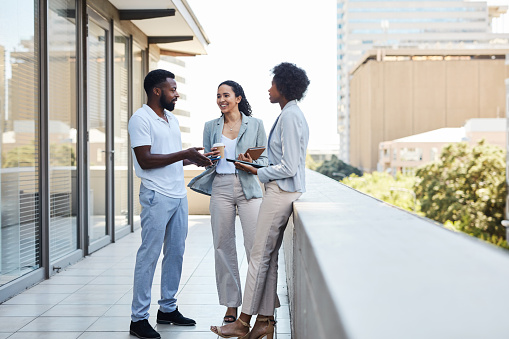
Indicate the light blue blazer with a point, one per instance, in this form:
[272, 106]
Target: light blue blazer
[288, 142]
[251, 134]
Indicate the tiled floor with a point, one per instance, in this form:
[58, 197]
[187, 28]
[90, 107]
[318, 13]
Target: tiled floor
[92, 298]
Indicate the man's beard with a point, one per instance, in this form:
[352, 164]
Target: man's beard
[170, 106]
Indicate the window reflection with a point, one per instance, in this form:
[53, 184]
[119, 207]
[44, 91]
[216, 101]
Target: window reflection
[62, 127]
[19, 146]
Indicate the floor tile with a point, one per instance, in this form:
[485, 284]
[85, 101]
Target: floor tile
[102, 288]
[36, 299]
[66, 280]
[62, 310]
[198, 299]
[108, 335]
[59, 324]
[23, 310]
[13, 324]
[93, 299]
[45, 335]
[54, 289]
[110, 324]
[108, 280]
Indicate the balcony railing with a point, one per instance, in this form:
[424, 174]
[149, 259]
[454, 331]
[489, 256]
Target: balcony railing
[360, 268]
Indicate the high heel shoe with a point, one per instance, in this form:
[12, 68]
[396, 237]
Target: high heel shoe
[227, 319]
[220, 333]
[269, 331]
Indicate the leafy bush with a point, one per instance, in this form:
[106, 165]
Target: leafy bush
[335, 168]
[397, 191]
[467, 187]
[459, 226]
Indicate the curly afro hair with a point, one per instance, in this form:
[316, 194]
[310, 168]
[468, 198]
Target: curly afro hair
[156, 77]
[291, 81]
[244, 105]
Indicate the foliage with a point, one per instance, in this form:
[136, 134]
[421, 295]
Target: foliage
[335, 168]
[466, 185]
[459, 226]
[397, 191]
[27, 156]
[311, 164]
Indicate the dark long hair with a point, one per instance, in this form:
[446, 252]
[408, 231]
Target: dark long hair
[244, 105]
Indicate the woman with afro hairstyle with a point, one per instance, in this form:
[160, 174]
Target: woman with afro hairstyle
[284, 183]
[231, 190]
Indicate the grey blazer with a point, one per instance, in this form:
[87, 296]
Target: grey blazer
[251, 134]
[288, 142]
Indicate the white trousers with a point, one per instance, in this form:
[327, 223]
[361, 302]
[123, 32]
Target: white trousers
[226, 198]
[260, 295]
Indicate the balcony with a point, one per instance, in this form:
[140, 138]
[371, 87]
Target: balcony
[351, 267]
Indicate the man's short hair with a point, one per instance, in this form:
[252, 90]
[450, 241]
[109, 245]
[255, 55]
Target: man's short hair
[155, 78]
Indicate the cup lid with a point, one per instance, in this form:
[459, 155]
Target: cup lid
[218, 144]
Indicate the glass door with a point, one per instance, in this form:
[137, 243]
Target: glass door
[120, 134]
[97, 112]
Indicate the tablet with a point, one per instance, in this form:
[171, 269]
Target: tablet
[255, 152]
[246, 163]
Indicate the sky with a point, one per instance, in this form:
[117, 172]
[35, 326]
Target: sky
[248, 38]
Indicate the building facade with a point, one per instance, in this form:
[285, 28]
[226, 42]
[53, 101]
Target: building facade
[398, 93]
[71, 75]
[398, 24]
[406, 154]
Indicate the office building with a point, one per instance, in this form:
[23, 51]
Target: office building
[398, 93]
[364, 25]
[406, 154]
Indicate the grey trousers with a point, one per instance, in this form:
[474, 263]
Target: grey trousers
[227, 196]
[260, 295]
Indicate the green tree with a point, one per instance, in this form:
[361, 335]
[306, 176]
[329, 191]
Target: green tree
[311, 164]
[27, 156]
[466, 187]
[397, 191]
[335, 168]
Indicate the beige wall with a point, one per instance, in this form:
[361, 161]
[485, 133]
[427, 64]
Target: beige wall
[395, 99]
[398, 164]
[198, 203]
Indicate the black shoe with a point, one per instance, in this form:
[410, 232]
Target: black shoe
[143, 330]
[175, 318]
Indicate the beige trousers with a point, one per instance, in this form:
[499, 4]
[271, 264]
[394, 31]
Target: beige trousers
[226, 197]
[260, 295]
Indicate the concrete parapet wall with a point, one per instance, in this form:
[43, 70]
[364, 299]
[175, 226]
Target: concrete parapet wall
[360, 268]
[198, 203]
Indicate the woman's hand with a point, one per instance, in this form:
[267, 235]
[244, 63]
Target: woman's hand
[245, 157]
[246, 168]
[213, 154]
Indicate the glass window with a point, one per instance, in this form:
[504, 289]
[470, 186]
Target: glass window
[63, 229]
[411, 154]
[138, 100]
[97, 109]
[120, 134]
[19, 139]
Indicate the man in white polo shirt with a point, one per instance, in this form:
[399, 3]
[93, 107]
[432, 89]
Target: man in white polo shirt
[158, 161]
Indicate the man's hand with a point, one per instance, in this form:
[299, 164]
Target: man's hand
[197, 158]
[213, 153]
[246, 168]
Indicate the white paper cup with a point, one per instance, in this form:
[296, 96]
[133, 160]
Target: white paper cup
[220, 148]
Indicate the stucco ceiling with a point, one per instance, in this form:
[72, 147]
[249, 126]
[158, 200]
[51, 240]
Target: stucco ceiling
[184, 23]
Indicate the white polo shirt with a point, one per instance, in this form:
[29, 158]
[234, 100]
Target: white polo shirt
[147, 128]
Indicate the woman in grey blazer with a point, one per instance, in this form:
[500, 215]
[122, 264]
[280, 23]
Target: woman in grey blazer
[231, 190]
[284, 183]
